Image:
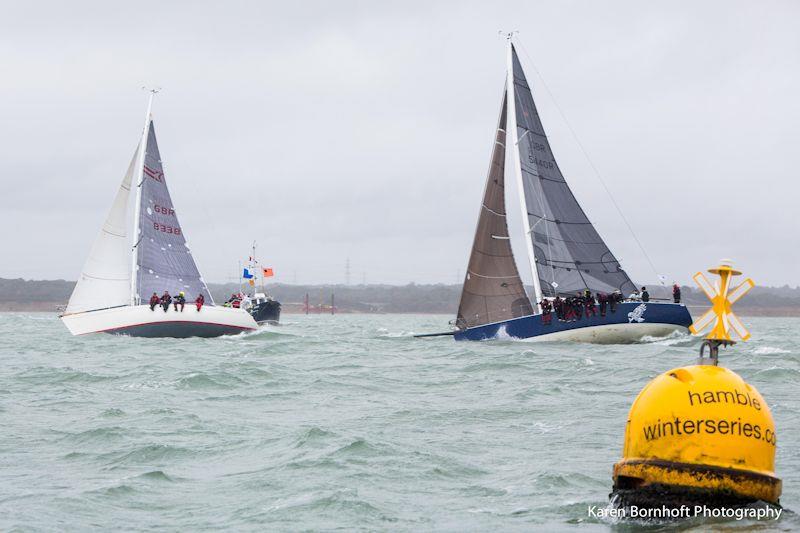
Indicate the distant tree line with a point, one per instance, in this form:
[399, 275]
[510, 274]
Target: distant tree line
[411, 298]
[20, 290]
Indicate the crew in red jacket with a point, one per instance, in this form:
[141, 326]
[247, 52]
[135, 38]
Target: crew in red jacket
[547, 309]
[154, 301]
[166, 299]
[199, 301]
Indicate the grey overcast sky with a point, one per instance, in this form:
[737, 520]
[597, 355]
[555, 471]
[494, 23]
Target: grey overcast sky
[328, 130]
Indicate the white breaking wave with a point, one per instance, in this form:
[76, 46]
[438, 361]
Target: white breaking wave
[769, 350]
[502, 333]
[676, 337]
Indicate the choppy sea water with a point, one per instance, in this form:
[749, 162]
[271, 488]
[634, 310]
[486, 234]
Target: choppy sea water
[340, 422]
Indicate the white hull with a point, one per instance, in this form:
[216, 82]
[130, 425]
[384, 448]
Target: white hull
[140, 321]
[623, 333]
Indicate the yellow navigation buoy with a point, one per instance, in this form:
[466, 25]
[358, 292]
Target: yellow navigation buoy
[700, 435]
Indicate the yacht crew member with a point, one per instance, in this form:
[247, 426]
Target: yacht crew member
[614, 299]
[558, 306]
[166, 299]
[180, 299]
[645, 295]
[589, 303]
[546, 309]
[676, 293]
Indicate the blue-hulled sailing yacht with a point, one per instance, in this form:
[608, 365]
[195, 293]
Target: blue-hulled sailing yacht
[566, 253]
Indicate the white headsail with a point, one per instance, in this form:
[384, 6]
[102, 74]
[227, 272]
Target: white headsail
[105, 279]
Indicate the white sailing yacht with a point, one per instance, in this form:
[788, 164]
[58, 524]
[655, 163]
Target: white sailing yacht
[121, 274]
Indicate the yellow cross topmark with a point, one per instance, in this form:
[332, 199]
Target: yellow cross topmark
[721, 301]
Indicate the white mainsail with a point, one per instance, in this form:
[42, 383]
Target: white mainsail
[105, 279]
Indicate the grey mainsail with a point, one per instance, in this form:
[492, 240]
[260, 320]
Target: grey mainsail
[570, 255]
[493, 290]
[163, 260]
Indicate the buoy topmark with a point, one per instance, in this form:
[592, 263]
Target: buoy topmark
[700, 434]
[720, 315]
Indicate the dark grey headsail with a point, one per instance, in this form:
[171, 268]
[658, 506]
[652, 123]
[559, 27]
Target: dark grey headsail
[493, 290]
[163, 260]
[568, 250]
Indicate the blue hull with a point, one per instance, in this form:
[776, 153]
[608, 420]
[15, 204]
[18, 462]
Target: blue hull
[628, 323]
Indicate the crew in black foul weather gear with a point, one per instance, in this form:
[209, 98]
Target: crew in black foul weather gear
[166, 299]
[154, 300]
[613, 299]
[676, 293]
[558, 306]
[602, 299]
[645, 295]
[589, 303]
[577, 304]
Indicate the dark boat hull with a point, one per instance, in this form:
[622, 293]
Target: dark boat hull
[630, 322]
[178, 330]
[268, 312]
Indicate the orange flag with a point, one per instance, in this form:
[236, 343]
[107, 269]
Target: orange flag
[268, 273]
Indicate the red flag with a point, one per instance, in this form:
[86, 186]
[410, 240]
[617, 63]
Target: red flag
[268, 273]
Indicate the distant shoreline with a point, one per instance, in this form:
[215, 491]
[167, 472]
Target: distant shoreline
[53, 307]
[51, 295]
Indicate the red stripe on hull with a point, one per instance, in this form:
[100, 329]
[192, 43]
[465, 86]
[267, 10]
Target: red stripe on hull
[122, 329]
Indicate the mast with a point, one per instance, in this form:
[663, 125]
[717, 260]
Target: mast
[137, 206]
[511, 126]
[260, 267]
[255, 266]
